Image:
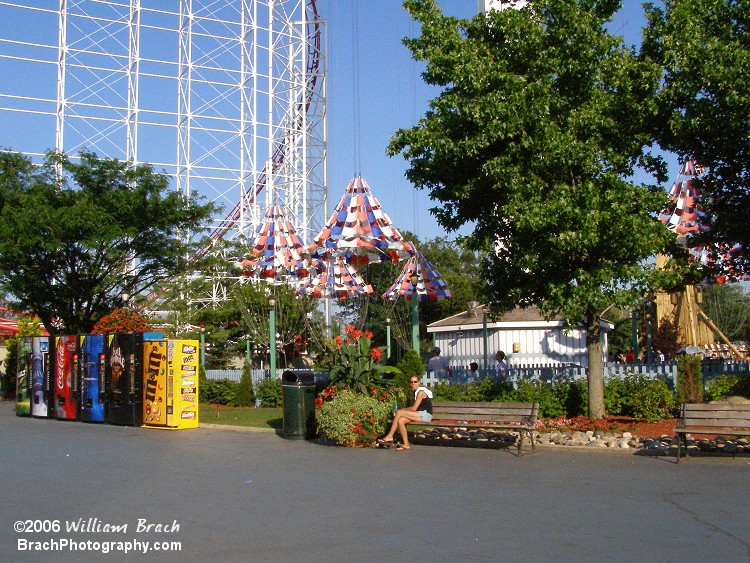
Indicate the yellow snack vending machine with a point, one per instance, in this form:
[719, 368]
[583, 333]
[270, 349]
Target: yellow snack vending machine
[170, 384]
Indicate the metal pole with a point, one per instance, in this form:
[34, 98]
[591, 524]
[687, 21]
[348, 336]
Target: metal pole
[634, 333]
[649, 351]
[272, 338]
[248, 357]
[203, 349]
[388, 338]
[415, 322]
[484, 343]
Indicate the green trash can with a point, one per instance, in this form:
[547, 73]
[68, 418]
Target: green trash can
[298, 397]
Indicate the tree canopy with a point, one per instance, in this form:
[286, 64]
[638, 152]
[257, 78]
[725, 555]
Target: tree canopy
[72, 244]
[704, 48]
[543, 119]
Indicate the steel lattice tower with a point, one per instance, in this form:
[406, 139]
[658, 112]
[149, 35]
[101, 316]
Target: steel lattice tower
[228, 97]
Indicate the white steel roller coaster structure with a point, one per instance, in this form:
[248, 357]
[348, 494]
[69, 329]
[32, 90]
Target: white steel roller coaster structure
[227, 96]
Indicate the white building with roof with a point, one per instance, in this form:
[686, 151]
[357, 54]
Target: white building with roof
[523, 334]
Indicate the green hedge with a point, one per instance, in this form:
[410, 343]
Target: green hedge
[637, 396]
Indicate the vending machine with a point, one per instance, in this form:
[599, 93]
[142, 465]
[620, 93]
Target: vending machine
[41, 387]
[23, 377]
[91, 377]
[170, 386]
[124, 379]
[65, 385]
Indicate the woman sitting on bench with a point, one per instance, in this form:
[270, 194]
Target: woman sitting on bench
[417, 410]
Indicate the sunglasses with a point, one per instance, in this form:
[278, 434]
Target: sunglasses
[414, 382]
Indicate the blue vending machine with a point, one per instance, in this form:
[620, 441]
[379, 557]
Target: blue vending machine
[91, 365]
[41, 391]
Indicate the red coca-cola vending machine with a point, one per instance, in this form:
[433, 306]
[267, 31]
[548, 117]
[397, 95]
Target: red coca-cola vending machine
[66, 388]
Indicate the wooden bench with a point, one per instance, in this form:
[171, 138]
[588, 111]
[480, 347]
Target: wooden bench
[717, 419]
[517, 417]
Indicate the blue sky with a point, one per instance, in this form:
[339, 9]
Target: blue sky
[374, 89]
[391, 95]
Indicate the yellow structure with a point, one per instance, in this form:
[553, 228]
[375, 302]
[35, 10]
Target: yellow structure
[170, 384]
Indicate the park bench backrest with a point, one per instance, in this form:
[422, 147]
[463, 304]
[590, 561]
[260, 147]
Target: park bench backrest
[719, 415]
[525, 413]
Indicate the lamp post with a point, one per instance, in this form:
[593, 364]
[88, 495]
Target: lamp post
[649, 351]
[203, 348]
[414, 312]
[272, 336]
[388, 337]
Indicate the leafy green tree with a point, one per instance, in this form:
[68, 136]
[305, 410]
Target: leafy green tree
[704, 48]
[728, 306]
[71, 246]
[543, 119]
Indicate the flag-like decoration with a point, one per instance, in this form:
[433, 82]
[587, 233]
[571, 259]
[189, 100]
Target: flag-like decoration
[430, 284]
[685, 217]
[360, 230]
[276, 249]
[338, 280]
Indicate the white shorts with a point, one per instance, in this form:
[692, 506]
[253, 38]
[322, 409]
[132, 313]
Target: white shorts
[425, 416]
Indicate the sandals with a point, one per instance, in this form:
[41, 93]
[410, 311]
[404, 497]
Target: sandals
[403, 448]
[384, 442]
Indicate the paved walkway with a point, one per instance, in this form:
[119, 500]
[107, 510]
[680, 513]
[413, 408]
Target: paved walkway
[251, 496]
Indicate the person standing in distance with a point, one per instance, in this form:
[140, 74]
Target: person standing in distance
[438, 364]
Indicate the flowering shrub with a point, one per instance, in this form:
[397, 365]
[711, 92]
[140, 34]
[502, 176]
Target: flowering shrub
[350, 418]
[356, 363]
[121, 320]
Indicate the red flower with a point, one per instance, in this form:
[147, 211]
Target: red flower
[338, 340]
[368, 334]
[376, 354]
[318, 401]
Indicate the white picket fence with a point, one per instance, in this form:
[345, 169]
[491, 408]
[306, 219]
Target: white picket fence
[544, 373]
[553, 373]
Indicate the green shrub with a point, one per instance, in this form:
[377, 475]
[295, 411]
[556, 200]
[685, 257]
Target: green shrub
[528, 391]
[351, 419]
[649, 399]
[447, 391]
[615, 396]
[269, 392]
[245, 396]
[218, 392]
[689, 379]
[572, 396]
[727, 386]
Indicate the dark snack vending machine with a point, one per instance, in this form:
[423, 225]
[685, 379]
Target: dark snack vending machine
[92, 370]
[170, 388]
[41, 390]
[23, 377]
[124, 379]
[65, 383]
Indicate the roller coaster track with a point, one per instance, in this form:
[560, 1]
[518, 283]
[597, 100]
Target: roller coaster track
[313, 63]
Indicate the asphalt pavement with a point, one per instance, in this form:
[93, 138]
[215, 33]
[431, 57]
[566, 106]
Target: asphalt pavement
[85, 492]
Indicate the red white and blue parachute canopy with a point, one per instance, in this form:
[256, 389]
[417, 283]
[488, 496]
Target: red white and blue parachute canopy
[338, 280]
[359, 226]
[685, 217]
[276, 248]
[430, 284]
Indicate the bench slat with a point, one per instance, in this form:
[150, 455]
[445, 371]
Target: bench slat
[715, 407]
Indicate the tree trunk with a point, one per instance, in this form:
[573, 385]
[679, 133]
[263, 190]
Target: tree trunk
[596, 372]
